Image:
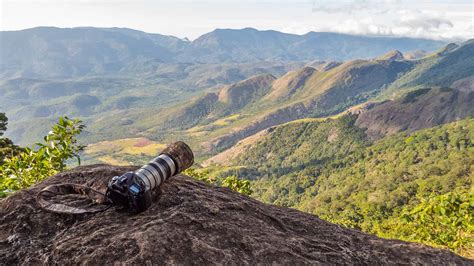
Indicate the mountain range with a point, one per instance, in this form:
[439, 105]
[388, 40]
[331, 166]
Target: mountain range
[264, 101]
[57, 52]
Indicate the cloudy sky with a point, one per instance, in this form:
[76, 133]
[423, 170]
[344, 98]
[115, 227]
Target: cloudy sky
[437, 19]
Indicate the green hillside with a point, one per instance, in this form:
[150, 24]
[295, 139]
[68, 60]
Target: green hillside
[330, 169]
[298, 94]
[300, 160]
[135, 97]
[308, 92]
[442, 68]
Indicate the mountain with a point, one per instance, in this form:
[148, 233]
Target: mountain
[310, 93]
[442, 68]
[392, 56]
[47, 51]
[190, 222]
[218, 119]
[253, 45]
[182, 99]
[416, 110]
[70, 52]
[213, 106]
[27, 100]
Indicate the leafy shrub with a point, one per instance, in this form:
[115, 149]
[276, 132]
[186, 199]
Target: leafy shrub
[236, 184]
[232, 182]
[444, 220]
[32, 165]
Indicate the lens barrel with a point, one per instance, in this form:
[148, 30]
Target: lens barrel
[173, 160]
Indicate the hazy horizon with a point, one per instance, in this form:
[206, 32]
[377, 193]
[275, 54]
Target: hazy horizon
[441, 20]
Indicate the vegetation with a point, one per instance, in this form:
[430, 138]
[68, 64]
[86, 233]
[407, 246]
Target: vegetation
[232, 182]
[445, 221]
[330, 169]
[439, 69]
[7, 148]
[3, 123]
[32, 165]
[128, 102]
[127, 151]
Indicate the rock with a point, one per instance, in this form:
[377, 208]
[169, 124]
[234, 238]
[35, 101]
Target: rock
[189, 223]
[419, 109]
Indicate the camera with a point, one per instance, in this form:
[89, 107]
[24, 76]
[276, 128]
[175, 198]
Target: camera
[132, 190]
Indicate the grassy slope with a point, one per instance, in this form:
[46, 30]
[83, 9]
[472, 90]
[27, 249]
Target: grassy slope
[310, 94]
[329, 169]
[130, 102]
[438, 69]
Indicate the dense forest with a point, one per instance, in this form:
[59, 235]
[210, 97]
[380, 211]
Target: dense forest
[330, 169]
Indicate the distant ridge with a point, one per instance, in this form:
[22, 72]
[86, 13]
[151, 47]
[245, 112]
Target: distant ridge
[50, 51]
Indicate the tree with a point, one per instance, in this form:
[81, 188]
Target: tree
[3, 123]
[34, 164]
[7, 148]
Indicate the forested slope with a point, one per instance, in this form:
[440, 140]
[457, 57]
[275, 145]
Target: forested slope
[331, 169]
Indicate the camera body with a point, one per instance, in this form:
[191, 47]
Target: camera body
[130, 192]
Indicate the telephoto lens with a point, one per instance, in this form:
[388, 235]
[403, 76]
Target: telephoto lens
[133, 189]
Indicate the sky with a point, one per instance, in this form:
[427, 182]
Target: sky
[436, 19]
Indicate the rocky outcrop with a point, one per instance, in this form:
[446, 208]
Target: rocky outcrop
[189, 223]
[392, 56]
[419, 109]
[329, 65]
[465, 84]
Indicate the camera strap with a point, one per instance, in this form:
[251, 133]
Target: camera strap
[72, 198]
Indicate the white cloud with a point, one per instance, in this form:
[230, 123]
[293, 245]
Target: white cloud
[427, 20]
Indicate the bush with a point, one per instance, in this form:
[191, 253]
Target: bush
[232, 182]
[446, 220]
[236, 184]
[32, 165]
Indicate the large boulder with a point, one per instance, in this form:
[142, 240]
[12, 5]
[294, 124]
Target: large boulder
[189, 222]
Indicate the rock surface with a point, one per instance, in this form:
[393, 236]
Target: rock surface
[423, 108]
[189, 223]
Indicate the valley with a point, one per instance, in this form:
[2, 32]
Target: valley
[386, 91]
[365, 132]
